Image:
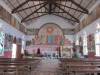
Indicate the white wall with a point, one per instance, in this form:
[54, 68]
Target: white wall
[50, 19]
[29, 37]
[70, 37]
[11, 30]
[8, 28]
[91, 28]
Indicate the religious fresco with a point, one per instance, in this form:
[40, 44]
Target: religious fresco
[50, 40]
[49, 34]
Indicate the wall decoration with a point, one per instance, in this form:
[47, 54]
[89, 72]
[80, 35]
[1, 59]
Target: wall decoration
[8, 42]
[37, 40]
[50, 39]
[50, 30]
[43, 39]
[91, 42]
[49, 34]
[58, 39]
[2, 36]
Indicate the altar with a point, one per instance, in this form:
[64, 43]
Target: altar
[49, 41]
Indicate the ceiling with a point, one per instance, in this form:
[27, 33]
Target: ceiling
[70, 10]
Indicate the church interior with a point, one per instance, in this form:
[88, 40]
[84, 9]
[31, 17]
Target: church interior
[49, 37]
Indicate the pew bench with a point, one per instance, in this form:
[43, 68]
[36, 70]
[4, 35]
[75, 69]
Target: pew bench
[17, 66]
[76, 66]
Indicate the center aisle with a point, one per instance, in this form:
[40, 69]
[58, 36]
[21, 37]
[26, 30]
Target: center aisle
[47, 67]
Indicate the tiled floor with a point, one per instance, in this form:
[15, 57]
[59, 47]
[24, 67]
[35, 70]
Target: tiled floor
[47, 67]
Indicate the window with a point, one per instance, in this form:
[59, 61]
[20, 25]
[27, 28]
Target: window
[77, 41]
[85, 50]
[97, 41]
[14, 48]
[23, 47]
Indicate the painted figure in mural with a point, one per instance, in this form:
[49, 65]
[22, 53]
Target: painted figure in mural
[37, 40]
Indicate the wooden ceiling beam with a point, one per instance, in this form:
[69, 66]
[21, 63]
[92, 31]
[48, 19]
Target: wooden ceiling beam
[53, 9]
[33, 12]
[50, 8]
[67, 13]
[51, 12]
[65, 17]
[78, 5]
[28, 7]
[46, 8]
[50, 4]
[34, 17]
[19, 6]
[72, 8]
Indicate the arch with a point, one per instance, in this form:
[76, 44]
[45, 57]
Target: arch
[53, 24]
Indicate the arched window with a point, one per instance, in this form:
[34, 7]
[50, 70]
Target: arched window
[97, 41]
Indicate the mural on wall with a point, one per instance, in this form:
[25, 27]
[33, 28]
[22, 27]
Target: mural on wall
[50, 40]
[49, 34]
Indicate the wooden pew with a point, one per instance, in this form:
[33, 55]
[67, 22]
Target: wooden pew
[80, 66]
[17, 65]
